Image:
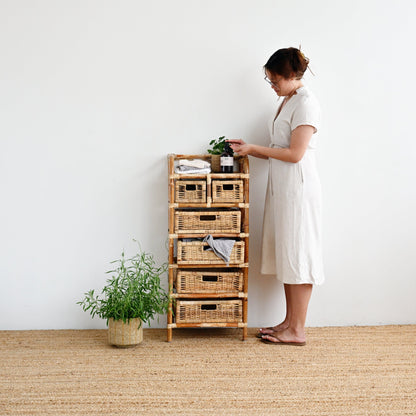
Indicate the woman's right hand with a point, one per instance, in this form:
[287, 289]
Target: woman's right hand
[238, 145]
[236, 141]
[243, 149]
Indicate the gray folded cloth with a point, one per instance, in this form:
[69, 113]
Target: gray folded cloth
[222, 247]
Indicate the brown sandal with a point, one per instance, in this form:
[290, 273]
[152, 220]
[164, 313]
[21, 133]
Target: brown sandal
[280, 342]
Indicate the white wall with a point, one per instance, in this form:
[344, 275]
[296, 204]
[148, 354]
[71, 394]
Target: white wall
[95, 94]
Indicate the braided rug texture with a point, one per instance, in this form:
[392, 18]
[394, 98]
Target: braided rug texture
[341, 371]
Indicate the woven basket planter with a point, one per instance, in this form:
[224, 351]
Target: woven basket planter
[216, 163]
[125, 335]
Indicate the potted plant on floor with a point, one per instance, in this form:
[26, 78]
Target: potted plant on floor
[132, 295]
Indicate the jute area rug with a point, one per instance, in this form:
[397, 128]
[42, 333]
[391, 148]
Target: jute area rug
[341, 371]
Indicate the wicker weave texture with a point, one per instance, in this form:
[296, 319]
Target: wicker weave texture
[209, 311]
[227, 191]
[216, 163]
[202, 281]
[196, 252]
[124, 334]
[187, 191]
[187, 222]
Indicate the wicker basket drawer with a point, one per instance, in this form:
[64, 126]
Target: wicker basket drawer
[196, 252]
[202, 281]
[227, 191]
[208, 222]
[206, 311]
[190, 191]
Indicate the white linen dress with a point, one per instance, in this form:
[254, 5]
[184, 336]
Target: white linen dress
[291, 246]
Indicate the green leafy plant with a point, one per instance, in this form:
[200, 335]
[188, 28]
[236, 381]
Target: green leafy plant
[133, 291]
[217, 146]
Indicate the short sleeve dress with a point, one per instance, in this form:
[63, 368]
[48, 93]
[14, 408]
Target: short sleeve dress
[291, 244]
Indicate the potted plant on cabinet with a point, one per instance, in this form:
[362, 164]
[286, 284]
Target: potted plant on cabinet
[132, 295]
[217, 147]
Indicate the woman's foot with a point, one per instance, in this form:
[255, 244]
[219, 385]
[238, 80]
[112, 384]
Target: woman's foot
[271, 329]
[287, 336]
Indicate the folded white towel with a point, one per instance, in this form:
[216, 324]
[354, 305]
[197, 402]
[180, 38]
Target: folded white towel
[195, 163]
[189, 170]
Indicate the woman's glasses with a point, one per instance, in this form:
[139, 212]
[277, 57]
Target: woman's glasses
[273, 83]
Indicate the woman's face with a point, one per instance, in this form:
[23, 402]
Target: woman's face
[282, 86]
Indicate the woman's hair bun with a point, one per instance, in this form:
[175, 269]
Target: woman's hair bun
[288, 61]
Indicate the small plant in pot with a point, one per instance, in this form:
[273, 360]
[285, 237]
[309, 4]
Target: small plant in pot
[132, 295]
[217, 147]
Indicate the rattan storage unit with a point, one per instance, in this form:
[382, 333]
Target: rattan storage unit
[204, 291]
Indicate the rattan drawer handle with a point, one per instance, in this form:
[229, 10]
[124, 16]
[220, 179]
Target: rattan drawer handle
[227, 187]
[208, 307]
[210, 278]
[190, 187]
[207, 217]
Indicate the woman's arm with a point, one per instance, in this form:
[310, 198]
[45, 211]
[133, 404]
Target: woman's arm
[299, 142]
[239, 146]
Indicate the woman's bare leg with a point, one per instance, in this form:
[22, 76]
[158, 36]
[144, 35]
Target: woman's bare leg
[283, 325]
[299, 296]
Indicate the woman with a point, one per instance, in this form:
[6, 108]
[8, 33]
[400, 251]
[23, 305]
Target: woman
[291, 247]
